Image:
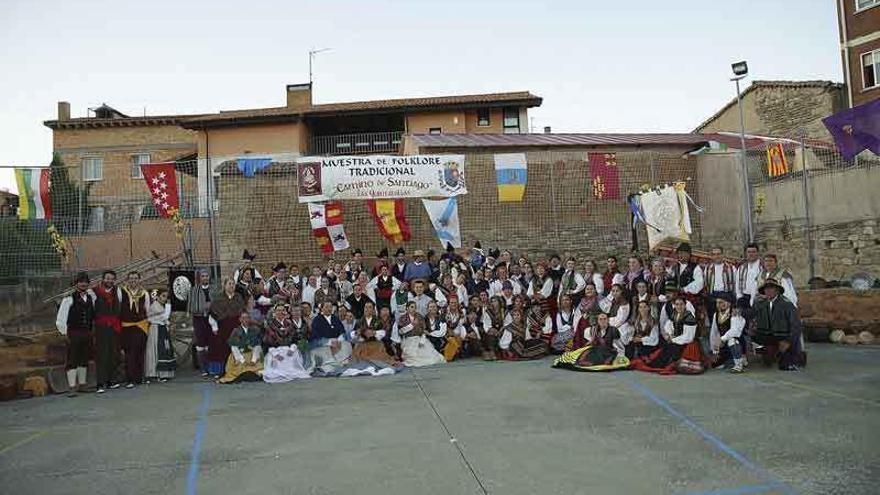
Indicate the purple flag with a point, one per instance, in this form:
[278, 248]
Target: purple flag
[856, 129]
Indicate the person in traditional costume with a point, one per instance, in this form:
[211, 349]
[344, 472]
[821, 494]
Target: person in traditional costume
[779, 327]
[75, 318]
[572, 283]
[326, 294]
[473, 330]
[356, 301]
[478, 256]
[386, 321]
[399, 299]
[657, 280]
[307, 313]
[773, 270]
[564, 326]
[381, 260]
[398, 269]
[309, 290]
[478, 283]
[618, 308]
[412, 332]
[521, 341]
[501, 277]
[454, 317]
[539, 323]
[678, 352]
[604, 351]
[747, 276]
[418, 268]
[494, 317]
[588, 307]
[243, 285]
[540, 289]
[720, 278]
[225, 316]
[435, 326]
[348, 322]
[461, 289]
[135, 327]
[276, 286]
[330, 350]
[646, 331]
[592, 274]
[199, 306]
[369, 336]
[284, 341]
[107, 328]
[247, 262]
[636, 271]
[422, 299]
[295, 278]
[245, 361]
[383, 286]
[726, 334]
[688, 275]
[643, 293]
[666, 307]
[611, 276]
[159, 360]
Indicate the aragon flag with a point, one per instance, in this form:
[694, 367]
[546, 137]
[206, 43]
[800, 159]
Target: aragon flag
[33, 193]
[390, 218]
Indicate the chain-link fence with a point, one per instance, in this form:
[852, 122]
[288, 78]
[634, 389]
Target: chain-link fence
[820, 215]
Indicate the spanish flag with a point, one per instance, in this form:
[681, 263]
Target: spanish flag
[776, 163]
[33, 193]
[511, 172]
[389, 215]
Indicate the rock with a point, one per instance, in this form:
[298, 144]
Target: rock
[866, 338]
[836, 336]
[36, 385]
[851, 339]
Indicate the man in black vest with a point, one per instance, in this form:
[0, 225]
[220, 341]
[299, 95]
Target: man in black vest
[75, 317]
[778, 327]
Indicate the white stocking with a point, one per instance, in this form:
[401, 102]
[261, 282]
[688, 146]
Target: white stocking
[71, 378]
[82, 374]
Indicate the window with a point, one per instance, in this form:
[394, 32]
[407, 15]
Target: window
[136, 162]
[92, 169]
[434, 130]
[871, 69]
[483, 117]
[511, 120]
[866, 4]
[96, 219]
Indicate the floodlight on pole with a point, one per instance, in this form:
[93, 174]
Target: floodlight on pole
[740, 71]
[312, 54]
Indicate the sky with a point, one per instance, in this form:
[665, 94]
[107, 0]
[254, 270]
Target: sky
[624, 66]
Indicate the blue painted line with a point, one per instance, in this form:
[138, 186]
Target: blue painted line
[192, 477]
[742, 490]
[711, 438]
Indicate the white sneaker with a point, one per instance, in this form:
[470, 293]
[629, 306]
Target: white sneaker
[100, 390]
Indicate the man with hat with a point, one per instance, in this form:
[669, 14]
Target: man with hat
[74, 320]
[381, 260]
[417, 268]
[778, 327]
[275, 286]
[687, 274]
[478, 257]
[726, 336]
[399, 267]
[247, 261]
[383, 286]
[665, 300]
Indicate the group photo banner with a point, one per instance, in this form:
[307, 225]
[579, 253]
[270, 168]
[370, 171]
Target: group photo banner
[326, 178]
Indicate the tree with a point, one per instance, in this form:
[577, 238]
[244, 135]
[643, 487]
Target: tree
[69, 199]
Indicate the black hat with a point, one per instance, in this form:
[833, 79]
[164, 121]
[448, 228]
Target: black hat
[279, 266]
[81, 277]
[771, 282]
[670, 286]
[477, 245]
[383, 253]
[684, 247]
[449, 248]
[400, 252]
[248, 256]
[431, 253]
[727, 296]
[358, 251]
[494, 253]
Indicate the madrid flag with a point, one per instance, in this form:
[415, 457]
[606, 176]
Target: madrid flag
[161, 180]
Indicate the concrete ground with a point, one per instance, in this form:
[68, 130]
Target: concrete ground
[466, 427]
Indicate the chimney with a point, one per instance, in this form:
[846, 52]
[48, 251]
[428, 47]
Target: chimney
[63, 110]
[299, 96]
[546, 129]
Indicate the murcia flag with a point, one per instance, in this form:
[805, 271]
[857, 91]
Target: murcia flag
[33, 193]
[604, 176]
[161, 180]
[326, 220]
[444, 217]
[776, 163]
[389, 215]
[511, 173]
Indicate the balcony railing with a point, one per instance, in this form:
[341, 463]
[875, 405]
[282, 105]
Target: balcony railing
[356, 144]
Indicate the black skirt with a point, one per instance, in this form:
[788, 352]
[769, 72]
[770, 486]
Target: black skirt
[165, 359]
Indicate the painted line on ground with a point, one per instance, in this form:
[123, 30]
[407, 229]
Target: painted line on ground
[809, 388]
[192, 477]
[710, 437]
[27, 439]
[742, 490]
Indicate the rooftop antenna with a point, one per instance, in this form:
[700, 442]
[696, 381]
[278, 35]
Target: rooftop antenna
[312, 54]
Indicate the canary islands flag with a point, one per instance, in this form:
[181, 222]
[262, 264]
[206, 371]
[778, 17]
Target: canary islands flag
[33, 193]
[510, 172]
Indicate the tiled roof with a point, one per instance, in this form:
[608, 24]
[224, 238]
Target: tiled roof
[92, 122]
[530, 140]
[769, 84]
[402, 104]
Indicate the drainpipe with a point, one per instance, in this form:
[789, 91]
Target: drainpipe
[845, 45]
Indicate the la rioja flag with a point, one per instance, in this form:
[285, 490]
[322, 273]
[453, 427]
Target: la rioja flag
[326, 220]
[33, 193]
[162, 182]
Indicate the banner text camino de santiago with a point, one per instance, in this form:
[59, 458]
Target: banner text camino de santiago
[327, 178]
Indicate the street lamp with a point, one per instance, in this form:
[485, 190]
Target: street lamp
[740, 71]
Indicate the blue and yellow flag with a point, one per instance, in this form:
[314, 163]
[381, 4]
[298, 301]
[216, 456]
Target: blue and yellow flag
[510, 172]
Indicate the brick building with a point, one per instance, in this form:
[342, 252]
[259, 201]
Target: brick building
[859, 27]
[780, 108]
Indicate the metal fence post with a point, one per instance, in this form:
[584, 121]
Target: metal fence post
[553, 195]
[807, 214]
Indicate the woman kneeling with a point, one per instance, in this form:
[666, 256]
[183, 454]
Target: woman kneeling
[604, 352]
